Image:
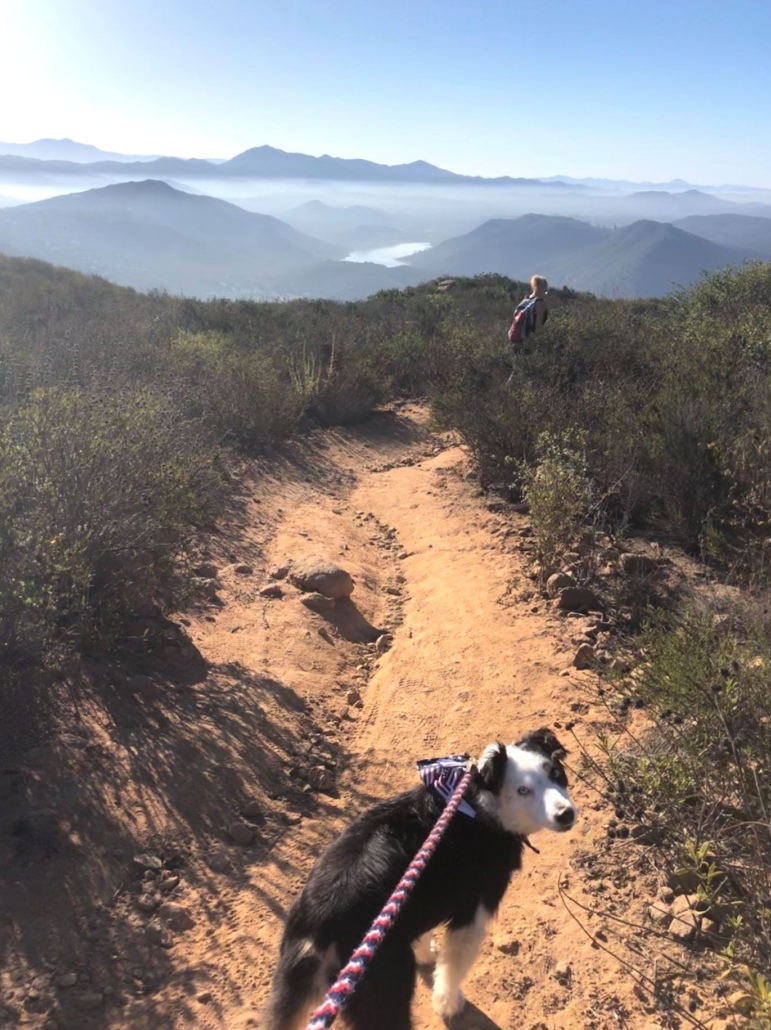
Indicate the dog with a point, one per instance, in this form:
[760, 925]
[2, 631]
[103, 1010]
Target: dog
[515, 792]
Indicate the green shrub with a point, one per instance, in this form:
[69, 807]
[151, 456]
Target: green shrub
[236, 391]
[559, 494]
[97, 495]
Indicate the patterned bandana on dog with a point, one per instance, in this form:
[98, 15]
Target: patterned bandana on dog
[442, 776]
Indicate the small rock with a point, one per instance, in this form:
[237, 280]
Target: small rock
[218, 861]
[584, 657]
[565, 672]
[272, 591]
[207, 588]
[150, 862]
[241, 833]
[158, 934]
[563, 974]
[352, 697]
[89, 1000]
[559, 581]
[320, 778]
[147, 902]
[318, 602]
[322, 577]
[176, 916]
[383, 643]
[392, 591]
[167, 886]
[204, 997]
[252, 809]
[507, 943]
[402, 555]
[574, 599]
[637, 564]
[206, 570]
[278, 572]
[292, 818]
[66, 980]
[242, 569]
[660, 915]
[684, 918]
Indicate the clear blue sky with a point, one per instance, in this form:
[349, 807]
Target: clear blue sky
[643, 89]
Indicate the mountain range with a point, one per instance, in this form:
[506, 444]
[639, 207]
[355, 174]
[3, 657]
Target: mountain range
[266, 161]
[645, 259]
[149, 235]
[67, 150]
[256, 163]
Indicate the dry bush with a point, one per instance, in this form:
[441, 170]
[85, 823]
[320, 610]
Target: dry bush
[97, 496]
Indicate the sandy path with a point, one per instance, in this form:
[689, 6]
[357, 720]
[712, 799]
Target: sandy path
[468, 665]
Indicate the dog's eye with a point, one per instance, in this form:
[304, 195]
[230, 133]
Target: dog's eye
[524, 791]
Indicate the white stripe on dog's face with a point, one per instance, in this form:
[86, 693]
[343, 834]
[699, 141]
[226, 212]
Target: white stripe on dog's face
[533, 795]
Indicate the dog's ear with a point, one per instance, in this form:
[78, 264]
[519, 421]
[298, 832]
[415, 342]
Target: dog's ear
[543, 740]
[492, 767]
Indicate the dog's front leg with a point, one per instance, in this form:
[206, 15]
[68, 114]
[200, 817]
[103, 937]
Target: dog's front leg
[459, 951]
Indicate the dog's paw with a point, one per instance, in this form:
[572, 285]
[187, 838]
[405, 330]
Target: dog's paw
[448, 1004]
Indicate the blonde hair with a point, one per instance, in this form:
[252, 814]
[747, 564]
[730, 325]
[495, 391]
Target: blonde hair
[536, 281]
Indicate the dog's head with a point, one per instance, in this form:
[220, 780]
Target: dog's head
[524, 786]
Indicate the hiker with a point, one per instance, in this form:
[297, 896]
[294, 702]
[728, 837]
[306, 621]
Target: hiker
[530, 315]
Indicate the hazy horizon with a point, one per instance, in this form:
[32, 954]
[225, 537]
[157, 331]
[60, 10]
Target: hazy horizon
[645, 91]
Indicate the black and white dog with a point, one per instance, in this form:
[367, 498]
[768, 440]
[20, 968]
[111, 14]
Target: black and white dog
[515, 792]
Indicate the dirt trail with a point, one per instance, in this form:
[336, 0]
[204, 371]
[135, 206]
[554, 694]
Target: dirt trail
[472, 660]
[468, 665]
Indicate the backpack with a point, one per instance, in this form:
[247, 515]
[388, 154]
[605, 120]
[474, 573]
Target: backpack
[524, 321]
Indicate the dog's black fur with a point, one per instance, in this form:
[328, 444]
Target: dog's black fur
[356, 875]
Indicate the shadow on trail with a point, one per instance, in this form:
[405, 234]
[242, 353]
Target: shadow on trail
[351, 624]
[155, 758]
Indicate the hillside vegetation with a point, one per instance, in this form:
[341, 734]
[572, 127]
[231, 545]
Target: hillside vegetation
[133, 396]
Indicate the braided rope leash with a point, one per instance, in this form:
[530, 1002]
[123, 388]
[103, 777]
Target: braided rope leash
[346, 983]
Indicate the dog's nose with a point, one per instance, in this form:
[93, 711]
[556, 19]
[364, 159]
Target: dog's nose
[566, 817]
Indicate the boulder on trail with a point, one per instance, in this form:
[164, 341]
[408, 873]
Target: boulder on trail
[559, 581]
[241, 833]
[321, 577]
[578, 599]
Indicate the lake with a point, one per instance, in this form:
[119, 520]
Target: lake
[388, 256]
